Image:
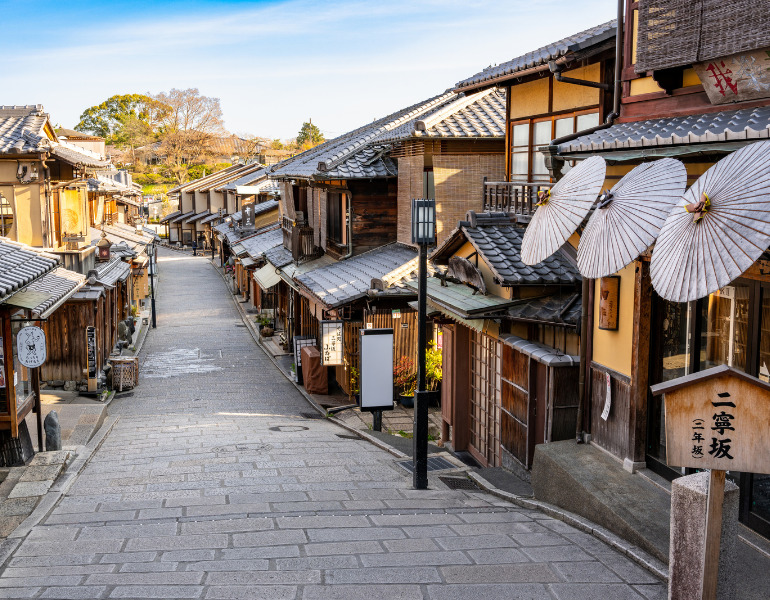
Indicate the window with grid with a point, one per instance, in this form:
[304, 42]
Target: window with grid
[527, 162]
[486, 383]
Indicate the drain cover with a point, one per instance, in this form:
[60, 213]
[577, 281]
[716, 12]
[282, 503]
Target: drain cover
[244, 447]
[458, 483]
[311, 415]
[435, 463]
[347, 436]
[124, 395]
[289, 428]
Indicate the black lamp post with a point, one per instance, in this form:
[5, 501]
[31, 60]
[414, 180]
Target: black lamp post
[153, 251]
[423, 234]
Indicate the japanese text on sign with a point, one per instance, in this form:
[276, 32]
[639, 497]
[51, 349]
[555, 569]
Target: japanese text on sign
[332, 343]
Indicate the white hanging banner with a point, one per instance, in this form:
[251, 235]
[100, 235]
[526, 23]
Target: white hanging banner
[30, 344]
[332, 343]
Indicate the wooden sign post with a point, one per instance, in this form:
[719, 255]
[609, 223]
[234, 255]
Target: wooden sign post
[716, 419]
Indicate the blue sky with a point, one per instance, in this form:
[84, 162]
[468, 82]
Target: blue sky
[272, 64]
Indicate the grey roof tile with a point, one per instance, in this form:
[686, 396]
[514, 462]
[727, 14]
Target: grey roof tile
[20, 265]
[257, 245]
[541, 56]
[60, 283]
[498, 241]
[22, 130]
[111, 271]
[348, 280]
[79, 157]
[480, 115]
[278, 256]
[351, 155]
[560, 309]
[724, 126]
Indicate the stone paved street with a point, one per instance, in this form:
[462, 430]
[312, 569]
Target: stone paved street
[217, 482]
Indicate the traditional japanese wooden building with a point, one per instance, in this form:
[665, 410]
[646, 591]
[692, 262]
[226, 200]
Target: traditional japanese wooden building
[694, 88]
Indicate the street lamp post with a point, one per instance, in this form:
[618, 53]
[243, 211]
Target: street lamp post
[423, 234]
[153, 254]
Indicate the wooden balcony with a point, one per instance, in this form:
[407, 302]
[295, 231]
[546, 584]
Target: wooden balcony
[516, 197]
[299, 239]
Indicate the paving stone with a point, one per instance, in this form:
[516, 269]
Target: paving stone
[263, 577]
[317, 562]
[475, 541]
[187, 555]
[189, 542]
[57, 457]
[384, 575]
[19, 592]
[264, 538]
[628, 570]
[226, 526]
[497, 556]
[178, 578]
[338, 535]
[652, 592]
[148, 567]
[343, 548]
[354, 592]
[511, 591]
[586, 572]
[157, 591]
[74, 593]
[502, 573]
[128, 557]
[241, 592]
[556, 554]
[265, 552]
[209, 566]
[41, 580]
[605, 591]
[42, 472]
[395, 559]
[25, 489]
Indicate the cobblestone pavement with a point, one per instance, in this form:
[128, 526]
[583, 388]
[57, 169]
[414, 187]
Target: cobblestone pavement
[216, 483]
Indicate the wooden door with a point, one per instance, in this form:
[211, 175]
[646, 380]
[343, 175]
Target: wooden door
[486, 383]
[447, 384]
[514, 418]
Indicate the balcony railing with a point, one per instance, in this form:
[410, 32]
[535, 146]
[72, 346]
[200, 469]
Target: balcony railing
[516, 197]
[299, 239]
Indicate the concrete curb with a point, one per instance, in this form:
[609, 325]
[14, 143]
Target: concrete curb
[639, 556]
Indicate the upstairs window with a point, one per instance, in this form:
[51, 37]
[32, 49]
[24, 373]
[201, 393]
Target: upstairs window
[336, 218]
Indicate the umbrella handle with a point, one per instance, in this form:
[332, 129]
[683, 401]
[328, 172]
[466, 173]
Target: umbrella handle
[700, 208]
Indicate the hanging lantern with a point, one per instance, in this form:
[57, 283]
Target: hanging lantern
[103, 248]
[423, 221]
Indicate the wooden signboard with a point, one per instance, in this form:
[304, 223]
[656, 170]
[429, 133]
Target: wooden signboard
[331, 343]
[736, 78]
[609, 299]
[91, 357]
[716, 419]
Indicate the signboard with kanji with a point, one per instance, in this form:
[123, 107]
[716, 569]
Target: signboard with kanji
[332, 343]
[717, 419]
[744, 76]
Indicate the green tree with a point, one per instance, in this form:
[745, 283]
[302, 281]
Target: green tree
[119, 118]
[309, 135]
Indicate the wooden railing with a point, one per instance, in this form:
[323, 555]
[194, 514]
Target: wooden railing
[299, 239]
[517, 197]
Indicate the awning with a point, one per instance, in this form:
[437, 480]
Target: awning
[182, 217]
[247, 261]
[266, 277]
[170, 216]
[237, 249]
[459, 299]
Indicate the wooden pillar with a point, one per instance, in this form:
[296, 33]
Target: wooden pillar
[461, 386]
[640, 360]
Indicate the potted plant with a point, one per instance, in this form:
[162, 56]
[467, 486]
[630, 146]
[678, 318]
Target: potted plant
[267, 331]
[405, 378]
[433, 367]
[354, 383]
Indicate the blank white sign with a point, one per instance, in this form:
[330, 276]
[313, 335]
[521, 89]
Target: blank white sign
[376, 385]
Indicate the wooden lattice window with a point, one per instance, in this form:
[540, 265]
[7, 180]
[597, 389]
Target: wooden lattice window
[486, 382]
[6, 216]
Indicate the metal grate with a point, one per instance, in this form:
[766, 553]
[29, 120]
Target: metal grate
[435, 463]
[348, 436]
[311, 415]
[459, 483]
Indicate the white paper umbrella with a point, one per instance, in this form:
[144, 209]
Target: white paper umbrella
[562, 211]
[628, 218]
[718, 229]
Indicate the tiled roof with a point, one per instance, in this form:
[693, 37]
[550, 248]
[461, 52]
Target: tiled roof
[480, 115]
[348, 280]
[265, 207]
[182, 217]
[461, 300]
[560, 309]
[22, 130]
[254, 174]
[211, 217]
[100, 183]
[170, 216]
[20, 265]
[222, 228]
[111, 271]
[726, 126]
[60, 284]
[498, 241]
[541, 56]
[80, 157]
[201, 181]
[278, 256]
[198, 216]
[257, 245]
[119, 232]
[350, 156]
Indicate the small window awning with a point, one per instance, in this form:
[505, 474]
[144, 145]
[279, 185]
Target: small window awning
[247, 261]
[238, 249]
[460, 301]
[540, 352]
[266, 277]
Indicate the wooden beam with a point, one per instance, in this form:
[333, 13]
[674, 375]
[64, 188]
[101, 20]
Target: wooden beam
[640, 360]
[713, 535]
